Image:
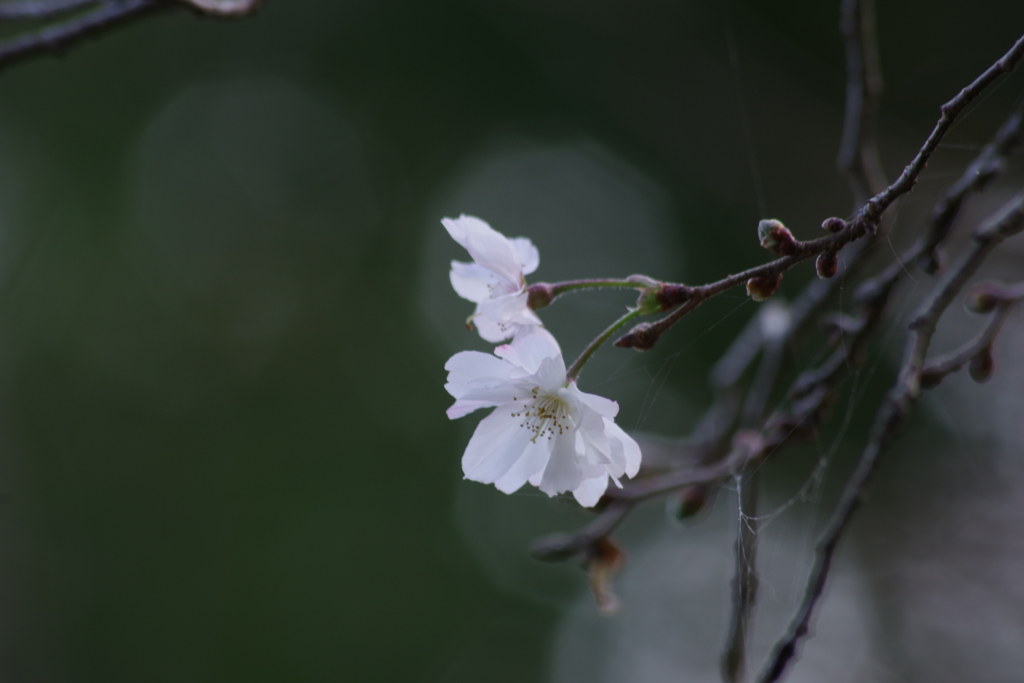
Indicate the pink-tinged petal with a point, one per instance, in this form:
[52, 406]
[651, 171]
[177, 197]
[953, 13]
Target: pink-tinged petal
[529, 257]
[488, 247]
[474, 282]
[604, 407]
[590, 490]
[630, 448]
[530, 351]
[498, 442]
[533, 461]
[563, 470]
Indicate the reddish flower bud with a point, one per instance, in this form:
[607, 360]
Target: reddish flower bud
[761, 287]
[688, 502]
[641, 338]
[776, 237]
[826, 264]
[539, 295]
[982, 365]
[833, 224]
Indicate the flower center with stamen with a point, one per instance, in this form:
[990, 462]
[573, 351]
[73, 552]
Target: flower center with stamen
[546, 415]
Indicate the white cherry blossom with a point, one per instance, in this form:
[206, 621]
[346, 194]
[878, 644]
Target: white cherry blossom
[494, 281]
[542, 430]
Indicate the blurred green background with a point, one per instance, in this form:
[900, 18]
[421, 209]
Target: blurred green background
[224, 310]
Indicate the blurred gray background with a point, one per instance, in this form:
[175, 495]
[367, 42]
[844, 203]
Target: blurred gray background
[224, 315]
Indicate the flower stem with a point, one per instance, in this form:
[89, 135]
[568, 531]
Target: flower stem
[569, 285]
[574, 369]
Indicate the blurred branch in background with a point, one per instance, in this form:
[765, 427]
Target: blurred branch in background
[93, 18]
[734, 438]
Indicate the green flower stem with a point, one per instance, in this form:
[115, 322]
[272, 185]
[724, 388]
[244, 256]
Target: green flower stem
[569, 285]
[574, 369]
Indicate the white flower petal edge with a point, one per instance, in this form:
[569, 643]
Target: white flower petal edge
[541, 431]
[494, 281]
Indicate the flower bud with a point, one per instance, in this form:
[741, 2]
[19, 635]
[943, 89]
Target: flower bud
[641, 338]
[826, 264]
[776, 237]
[984, 297]
[929, 379]
[763, 286]
[642, 281]
[648, 302]
[982, 365]
[604, 562]
[833, 224]
[688, 502]
[539, 295]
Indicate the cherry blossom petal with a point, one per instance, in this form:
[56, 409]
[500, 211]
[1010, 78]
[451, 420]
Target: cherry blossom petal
[603, 406]
[563, 469]
[590, 490]
[631, 450]
[530, 351]
[498, 442]
[474, 282]
[534, 459]
[529, 257]
[501, 317]
[488, 247]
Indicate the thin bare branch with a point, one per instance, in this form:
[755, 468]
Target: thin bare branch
[858, 151]
[645, 335]
[40, 9]
[893, 413]
[57, 37]
[949, 111]
[936, 370]
[105, 15]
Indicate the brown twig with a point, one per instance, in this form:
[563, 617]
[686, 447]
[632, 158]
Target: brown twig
[645, 335]
[892, 414]
[936, 370]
